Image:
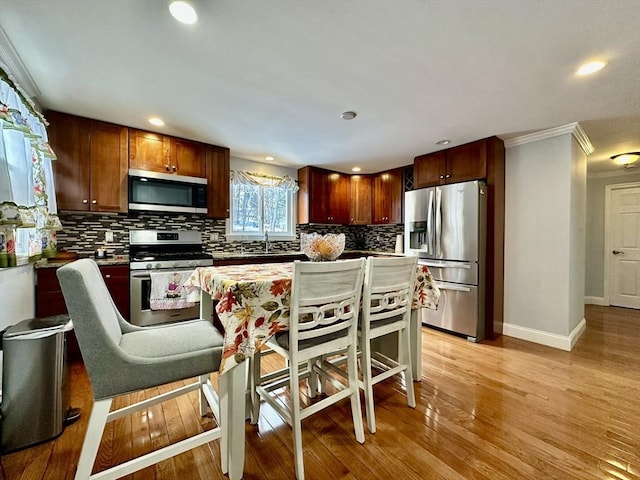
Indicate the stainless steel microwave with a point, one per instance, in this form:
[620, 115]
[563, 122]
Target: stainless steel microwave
[164, 192]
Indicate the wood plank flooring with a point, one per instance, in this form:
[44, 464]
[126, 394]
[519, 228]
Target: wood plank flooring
[506, 409]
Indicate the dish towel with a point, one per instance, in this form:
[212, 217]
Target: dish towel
[167, 292]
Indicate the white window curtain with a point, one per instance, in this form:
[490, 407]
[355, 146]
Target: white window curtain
[28, 219]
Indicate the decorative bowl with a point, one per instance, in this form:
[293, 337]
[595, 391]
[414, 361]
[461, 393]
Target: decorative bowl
[322, 248]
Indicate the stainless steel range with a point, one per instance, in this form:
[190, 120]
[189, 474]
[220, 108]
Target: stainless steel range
[162, 254]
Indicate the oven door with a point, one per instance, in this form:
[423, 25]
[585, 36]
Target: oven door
[141, 313]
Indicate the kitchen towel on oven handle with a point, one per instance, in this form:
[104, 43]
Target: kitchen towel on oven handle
[167, 292]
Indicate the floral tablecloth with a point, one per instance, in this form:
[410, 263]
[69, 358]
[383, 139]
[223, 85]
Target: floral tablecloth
[253, 302]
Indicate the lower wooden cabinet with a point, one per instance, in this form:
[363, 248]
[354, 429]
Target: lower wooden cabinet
[50, 301]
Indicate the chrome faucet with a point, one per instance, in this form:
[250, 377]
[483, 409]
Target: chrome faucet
[266, 241]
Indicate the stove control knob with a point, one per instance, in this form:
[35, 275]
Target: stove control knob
[148, 266]
[158, 265]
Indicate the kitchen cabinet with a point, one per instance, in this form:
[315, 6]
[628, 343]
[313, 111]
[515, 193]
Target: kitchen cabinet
[323, 196]
[454, 165]
[163, 154]
[360, 200]
[388, 190]
[50, 301]
[217, 167]
[91, 169]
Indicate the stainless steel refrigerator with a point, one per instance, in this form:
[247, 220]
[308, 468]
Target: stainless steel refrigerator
[446, 227]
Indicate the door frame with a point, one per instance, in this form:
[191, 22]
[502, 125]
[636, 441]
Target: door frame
[607, 231]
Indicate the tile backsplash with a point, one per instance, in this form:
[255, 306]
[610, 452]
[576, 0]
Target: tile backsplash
[83, 232]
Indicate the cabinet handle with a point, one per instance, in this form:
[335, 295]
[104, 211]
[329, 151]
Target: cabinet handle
[107, 276]
[441, 177]
[94, 201]
[85, 201]
[166, 167]
[175, 168]
[448, 176]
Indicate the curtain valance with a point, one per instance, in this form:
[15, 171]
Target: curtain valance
[239, 177]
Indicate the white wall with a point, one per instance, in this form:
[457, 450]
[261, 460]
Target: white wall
[596, 186]
[17, 295]
[545, 224]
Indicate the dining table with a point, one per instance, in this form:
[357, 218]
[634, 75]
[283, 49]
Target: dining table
[251, 302]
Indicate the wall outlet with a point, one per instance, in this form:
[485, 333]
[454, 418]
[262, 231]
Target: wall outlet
[108, 236]
[214, 237]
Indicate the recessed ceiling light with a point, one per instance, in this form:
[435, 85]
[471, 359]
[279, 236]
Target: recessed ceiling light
[356, 169]
[591, 67]
[443, 142]
[269, 158]
[183, 12]
[348, 115]
[158, 122]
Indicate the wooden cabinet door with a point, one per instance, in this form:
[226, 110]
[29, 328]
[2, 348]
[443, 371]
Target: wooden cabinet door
[116, 277]
[149, 151]
[109, 166]
[313, 196]
[217, 168]
[188, 158]
[69, 138]
[360, 205]
[339, 202]
[430, 169]
[467, 162]
[380, 209]
[395, 193]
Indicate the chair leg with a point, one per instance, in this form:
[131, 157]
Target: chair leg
[202, 399]
[312, 381]
[92, 438]
[296, 421]
[255, 381]
[367, 380]
[408, 373]
[356, 410]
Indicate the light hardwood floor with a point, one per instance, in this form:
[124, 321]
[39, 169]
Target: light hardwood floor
[507, 409]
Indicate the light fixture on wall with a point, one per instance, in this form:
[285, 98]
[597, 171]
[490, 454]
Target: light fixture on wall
[627, 160]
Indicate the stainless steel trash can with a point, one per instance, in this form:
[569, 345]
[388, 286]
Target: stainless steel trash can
[35, 377]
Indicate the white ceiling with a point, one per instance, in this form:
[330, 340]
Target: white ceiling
[271, 77]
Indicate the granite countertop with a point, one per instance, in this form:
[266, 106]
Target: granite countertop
[113, 260]
[293, 254]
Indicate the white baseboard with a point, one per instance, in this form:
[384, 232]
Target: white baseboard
[596, 301]
[545, 338]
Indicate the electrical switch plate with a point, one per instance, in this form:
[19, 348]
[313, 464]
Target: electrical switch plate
[108, 236]
[214, 237]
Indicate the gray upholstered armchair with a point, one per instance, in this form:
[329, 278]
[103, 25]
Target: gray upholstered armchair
[122, 358]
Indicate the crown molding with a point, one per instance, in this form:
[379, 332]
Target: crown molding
[16, 70]
[572, 128]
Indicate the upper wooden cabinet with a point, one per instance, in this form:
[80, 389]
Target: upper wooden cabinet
[91, 169]
[360, 200]
[457, 164]
[163, 154]
[217, 166]
[388, 190]
[323, 196]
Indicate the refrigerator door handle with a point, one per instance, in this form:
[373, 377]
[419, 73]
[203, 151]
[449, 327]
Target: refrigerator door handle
[438, 223]
[453, 287]
[429, 231]
[465, 266]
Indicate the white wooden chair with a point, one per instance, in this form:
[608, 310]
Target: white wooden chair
[325, 300]
[386, 308]
[122, 358]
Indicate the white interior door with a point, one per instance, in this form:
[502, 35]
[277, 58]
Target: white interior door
[624, 252]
